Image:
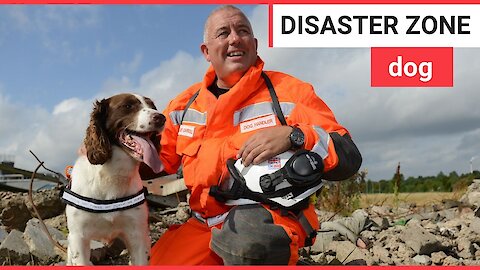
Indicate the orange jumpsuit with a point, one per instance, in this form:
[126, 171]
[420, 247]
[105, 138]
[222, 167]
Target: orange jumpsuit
[213, 130]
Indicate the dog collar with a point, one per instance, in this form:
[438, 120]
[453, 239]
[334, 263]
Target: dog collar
[102, 206]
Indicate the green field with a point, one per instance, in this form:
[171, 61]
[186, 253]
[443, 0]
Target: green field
[420, 198]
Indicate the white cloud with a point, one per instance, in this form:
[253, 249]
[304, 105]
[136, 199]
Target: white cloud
[132, 66]
[171, 77]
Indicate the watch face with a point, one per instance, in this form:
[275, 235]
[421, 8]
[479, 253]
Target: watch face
[297, 138]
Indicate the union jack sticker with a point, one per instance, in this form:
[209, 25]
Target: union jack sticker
[274, 163]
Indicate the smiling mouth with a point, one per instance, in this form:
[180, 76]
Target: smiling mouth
[141, 148]
[130, 139]
[235, 54]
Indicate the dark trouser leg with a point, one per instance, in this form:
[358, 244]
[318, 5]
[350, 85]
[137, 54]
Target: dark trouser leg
[249, 237]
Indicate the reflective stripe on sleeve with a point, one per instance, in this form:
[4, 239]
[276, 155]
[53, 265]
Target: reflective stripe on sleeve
[321, 146]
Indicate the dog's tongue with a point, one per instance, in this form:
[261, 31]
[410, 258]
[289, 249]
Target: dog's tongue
[150, 154]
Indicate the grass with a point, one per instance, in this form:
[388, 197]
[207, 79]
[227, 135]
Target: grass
[419, 198]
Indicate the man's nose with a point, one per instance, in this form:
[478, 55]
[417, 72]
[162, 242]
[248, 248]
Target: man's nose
[234, 38]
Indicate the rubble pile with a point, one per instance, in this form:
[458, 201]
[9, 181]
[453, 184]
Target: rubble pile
[444, 234]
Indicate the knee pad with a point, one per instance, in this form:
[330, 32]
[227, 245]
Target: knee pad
[249, 237]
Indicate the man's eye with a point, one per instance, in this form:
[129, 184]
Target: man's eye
[243, 32]
[222, 34]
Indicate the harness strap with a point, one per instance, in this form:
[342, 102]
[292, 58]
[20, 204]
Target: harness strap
[211, 221]
[103, 206]
[190, 101]
[276, 104]
[307, 227]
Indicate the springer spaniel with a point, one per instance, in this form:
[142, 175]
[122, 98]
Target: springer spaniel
[106, 198]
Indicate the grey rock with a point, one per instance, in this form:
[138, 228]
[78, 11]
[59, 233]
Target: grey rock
[471, 233]
[414, 222]
[475, 226]
[47, 202]
[347, 252]
[381, 254]
[59, 222]
[320, 258]
[473, 262]
[438, 257]
[422, 260]
[370, 235]
[431, 227]
[455, 223]
[420, 240]
[13, 250]
[38, 242]
[380, 222]
[452, 261]
[13, 212]
[401, 261]
[465, 248]
[448, 214]
[472, 196]
[404, 252]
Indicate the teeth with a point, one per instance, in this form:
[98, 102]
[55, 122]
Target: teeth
[235, 54]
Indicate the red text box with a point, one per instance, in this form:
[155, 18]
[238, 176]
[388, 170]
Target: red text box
[411, 67]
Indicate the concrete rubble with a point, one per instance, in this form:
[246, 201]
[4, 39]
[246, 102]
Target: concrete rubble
[447, 233]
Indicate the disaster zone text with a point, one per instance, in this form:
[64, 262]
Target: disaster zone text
[363, 24]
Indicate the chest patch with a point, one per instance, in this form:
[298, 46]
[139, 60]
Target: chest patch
[262, 122]
[186, 130]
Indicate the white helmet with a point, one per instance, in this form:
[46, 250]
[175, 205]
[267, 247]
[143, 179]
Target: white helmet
[285, 180]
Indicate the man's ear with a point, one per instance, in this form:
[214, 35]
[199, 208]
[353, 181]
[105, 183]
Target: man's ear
[204, 50]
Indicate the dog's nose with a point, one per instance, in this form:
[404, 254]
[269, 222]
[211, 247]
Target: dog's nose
[158, 119]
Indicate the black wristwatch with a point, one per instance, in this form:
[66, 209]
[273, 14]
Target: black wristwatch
[297, 138]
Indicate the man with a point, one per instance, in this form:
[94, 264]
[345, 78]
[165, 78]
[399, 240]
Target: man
[232, 117]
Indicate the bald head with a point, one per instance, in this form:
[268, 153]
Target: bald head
[229, 45]
[215, 11]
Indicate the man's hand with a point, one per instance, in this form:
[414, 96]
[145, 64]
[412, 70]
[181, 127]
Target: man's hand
[265, 144]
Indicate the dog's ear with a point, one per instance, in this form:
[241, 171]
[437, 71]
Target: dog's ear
[97, 143]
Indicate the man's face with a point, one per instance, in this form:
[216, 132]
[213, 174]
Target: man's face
[229, 46]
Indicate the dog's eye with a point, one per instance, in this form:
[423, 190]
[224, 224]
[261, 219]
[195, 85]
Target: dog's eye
[128, 106]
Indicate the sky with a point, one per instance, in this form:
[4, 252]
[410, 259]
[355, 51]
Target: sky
[55, 61]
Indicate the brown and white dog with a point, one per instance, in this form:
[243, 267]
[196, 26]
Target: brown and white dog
[118, 139]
